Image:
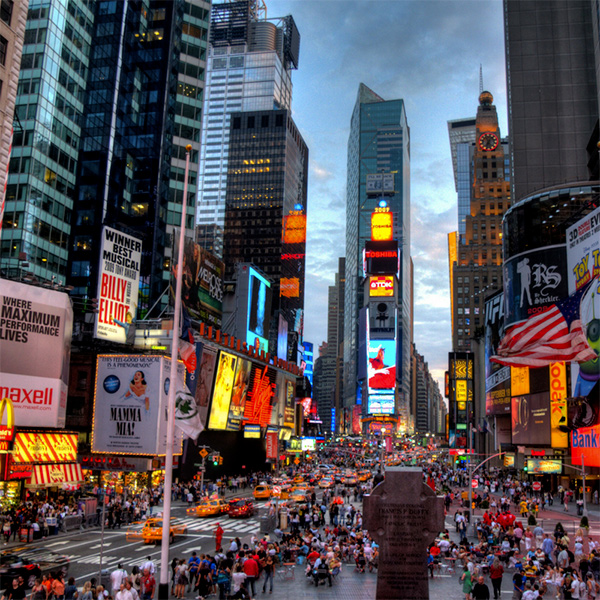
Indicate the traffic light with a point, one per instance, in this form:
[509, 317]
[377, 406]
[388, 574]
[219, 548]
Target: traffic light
[220, 460]
[215, 460]
[525, 467]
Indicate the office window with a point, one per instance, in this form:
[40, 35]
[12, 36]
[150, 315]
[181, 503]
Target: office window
[6, 8]
[3, 50]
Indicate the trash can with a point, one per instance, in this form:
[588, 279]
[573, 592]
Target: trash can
[283, 519]
[105, 579]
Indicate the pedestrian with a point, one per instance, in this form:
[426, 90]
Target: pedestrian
[147, 585]
[496, 572]
[269, 568]
[123, 593]
[58, 587]
[116, 578]
[218, 536]
[250, 567]
[481, 590]
[467, 582]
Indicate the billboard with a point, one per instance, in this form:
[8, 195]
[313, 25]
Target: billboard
[497, 377]
[130, 404]
[379, 183]
[382, 225]
[222, 390]
[35, 348]
[583, 264]
[381, 366]
[34, 447]
[261, 395]
[294, 228]
[118, 286]
[381, 258]
[584, 446]
[282, 338]
[539, 466]
[259, 310]
[381, 285]
[381, 404]
[239, 392]
[558, 405]
[382, 319]
[533, 281]
[531, 419]
[202, 285]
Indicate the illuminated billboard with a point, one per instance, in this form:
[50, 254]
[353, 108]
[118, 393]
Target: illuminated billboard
[238, 394]
[381, 258]
[381, 285]
[261, 395]
[289, 287]
[539, 466]
[36, 326]
[222, 390]
[259, 310]
[584, 446]
[294, 228]
[381, 366]
[381, 404]
[118, 285]
[382, 225]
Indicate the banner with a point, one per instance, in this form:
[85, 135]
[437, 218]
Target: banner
[558, 405]
[36, 326]
[271, 438]
[118, 286]
[33, 447]
[497, 377]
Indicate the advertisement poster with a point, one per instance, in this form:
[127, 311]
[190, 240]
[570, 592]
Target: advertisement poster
[531, 420]
[130, 404]
[271, 439]
[225, 378]
[583, 264]
[380, 404]
[381, 365]
[584, 446]
[540, 466]
[118, 286]
[36, 326]
[497, 377]
[206, 376]
[202, 285]
[261, 395]
[238, 394]
[533, 281]
[290, 400]
[558, 405]
[259, 310]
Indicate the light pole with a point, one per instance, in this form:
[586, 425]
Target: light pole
[582, 471]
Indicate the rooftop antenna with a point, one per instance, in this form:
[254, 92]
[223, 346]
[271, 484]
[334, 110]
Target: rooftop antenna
[480, 78]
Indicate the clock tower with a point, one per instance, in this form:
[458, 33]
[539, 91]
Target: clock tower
[477, 268]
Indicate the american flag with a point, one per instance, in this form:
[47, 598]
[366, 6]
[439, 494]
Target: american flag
[555, 335]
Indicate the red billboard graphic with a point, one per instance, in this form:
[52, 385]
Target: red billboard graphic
[294, 228]
[584, 446]
[260, 397]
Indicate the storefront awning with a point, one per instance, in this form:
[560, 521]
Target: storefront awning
[55, 475]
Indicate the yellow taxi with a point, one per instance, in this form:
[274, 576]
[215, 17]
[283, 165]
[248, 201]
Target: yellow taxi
[262, 491]
[303, 487]
[150, 532]
[299, 479]
[299, 496]
[209, 508]
[364, 475]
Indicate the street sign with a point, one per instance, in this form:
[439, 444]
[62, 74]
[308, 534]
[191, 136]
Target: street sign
[537, 486]
[474, 483]
[203, 453]
[276, 490]
[296, 461]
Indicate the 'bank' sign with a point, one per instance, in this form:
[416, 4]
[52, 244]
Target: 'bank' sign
[586, 442]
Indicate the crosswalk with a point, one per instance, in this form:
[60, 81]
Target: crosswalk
[197, 525]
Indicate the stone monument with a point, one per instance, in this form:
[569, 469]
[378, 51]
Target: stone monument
[403, 515]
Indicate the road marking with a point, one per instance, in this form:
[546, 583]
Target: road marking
[57, 544]
[106, 544]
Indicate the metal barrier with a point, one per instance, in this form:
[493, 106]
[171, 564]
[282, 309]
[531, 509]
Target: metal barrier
[72, 522]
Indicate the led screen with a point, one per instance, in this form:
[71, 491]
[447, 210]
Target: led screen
[258, 311]
[219, 410]
[381, 366]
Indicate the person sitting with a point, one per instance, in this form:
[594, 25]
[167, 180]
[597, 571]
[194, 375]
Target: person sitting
[321, 572]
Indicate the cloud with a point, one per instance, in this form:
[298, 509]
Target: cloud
[428, 53]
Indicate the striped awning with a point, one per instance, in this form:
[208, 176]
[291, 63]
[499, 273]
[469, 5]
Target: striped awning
[56, 475]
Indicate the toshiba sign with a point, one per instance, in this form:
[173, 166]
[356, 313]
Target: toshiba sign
[35, 347]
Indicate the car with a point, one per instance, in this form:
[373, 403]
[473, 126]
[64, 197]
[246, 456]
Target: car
[209, 508]
[299, 479]
[326, 483]
[241, 507]
[151, 531]
[262, 491]
[30, 563]
[303, 487]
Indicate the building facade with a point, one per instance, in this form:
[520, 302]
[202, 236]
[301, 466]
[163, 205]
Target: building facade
[552, 67]
[379, 143]
[477, 269]
[249, 69]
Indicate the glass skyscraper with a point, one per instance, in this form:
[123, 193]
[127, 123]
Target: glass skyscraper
[379, 142]
[249, 69]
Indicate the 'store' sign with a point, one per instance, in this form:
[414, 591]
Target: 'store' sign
[403, 515]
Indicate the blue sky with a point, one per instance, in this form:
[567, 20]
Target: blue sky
[428, 53]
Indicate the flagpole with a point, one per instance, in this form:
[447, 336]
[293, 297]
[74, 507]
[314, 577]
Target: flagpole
[163, 586]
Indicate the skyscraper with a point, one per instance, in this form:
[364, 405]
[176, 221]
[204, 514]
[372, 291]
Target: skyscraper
[265, 216]
[476, 270]
[379, 143]
[249, 69]
[104, 141]
[553, 92]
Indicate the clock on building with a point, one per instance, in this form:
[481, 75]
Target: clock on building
[488, 141]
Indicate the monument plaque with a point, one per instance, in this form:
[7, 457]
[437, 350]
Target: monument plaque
[403, 515]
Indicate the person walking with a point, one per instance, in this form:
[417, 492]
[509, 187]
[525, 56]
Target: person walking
[480, 590]
[496, 572]
[269, 569]
[218, 536]
[116, 578]
[467, 583]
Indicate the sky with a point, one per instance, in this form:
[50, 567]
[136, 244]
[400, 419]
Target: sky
[428, 53]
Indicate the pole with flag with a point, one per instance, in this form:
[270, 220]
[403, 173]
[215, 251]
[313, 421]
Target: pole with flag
[163, 586]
